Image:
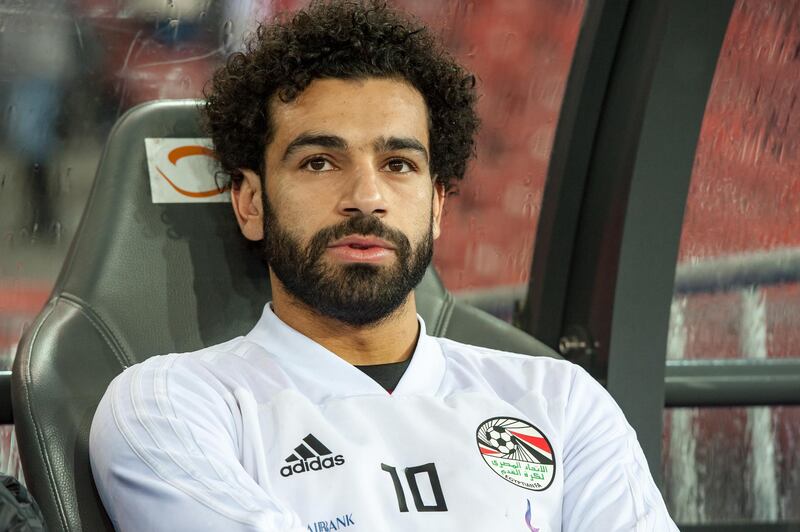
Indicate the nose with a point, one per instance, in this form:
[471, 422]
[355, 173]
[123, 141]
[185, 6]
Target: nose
[363, 194]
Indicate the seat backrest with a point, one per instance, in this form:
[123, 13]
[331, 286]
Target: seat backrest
[144, 278]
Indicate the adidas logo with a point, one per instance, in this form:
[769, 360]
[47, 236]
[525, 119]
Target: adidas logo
[311, 455]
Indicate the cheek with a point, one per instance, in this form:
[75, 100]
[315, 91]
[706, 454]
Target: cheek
[295, 212]
[299, 223]
[304, 204]
[419, 221]
[416, 209]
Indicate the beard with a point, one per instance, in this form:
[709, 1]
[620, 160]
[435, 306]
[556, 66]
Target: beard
[356, 294]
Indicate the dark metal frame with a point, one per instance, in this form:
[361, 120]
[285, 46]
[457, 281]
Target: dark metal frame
[603, 272]
[6, 415]
[568, 169]
[606, 250]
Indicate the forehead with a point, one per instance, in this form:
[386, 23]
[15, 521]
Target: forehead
[359, 111]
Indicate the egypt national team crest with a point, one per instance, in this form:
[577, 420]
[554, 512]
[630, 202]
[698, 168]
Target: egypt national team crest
[518, 452]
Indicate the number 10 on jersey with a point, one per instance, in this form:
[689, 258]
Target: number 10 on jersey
[411, 474]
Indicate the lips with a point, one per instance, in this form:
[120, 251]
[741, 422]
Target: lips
[362, 242]
[361, 248]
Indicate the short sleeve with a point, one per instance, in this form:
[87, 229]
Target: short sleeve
[607, 483]
[164, 455]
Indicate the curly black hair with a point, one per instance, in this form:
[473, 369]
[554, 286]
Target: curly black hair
[347, 40]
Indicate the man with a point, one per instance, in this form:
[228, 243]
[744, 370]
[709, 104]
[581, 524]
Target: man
[343, 129]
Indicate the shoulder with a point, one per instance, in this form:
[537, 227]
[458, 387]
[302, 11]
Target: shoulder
[514, 376]
[485, 356]
[141, 401]
[197, 387]
[218, 370]
[512, 373]
[168, 434]
[160, 408]
[454, 349]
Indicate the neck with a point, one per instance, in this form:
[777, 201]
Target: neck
[391, 340]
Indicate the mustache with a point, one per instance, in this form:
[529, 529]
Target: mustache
[364, 224]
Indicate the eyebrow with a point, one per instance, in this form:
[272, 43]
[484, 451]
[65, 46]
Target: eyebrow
[381, 145]
[314, 139]
[400, 143]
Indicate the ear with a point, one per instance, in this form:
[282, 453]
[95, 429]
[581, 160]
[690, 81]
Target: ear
[246, 201]
[438, 207]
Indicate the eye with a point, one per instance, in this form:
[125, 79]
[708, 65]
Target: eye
[399, 166]
[318, 164]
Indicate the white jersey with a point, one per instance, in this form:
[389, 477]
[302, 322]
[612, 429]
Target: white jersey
[272, 432]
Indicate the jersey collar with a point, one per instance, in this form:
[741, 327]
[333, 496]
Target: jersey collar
[321, 374]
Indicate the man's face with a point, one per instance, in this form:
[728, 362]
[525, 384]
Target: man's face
[350, 209]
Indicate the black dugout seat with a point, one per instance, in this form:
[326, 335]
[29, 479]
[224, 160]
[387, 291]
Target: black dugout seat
[143, 279]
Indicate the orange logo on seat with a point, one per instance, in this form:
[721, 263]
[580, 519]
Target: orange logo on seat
[179, 153]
